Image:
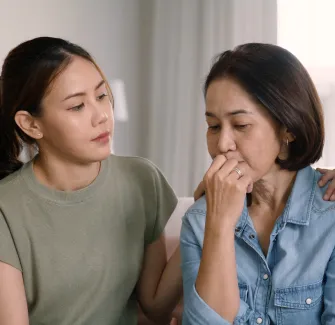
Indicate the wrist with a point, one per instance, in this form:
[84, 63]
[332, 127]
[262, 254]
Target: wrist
[222, 223]
[223, 228]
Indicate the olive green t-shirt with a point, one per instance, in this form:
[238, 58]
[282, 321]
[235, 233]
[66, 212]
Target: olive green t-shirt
[81, 252]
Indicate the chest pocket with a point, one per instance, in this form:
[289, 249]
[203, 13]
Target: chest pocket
[243, 288]
[299, 305]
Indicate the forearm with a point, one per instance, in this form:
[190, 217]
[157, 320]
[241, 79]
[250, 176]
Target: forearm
[169, 289]
[217, 281]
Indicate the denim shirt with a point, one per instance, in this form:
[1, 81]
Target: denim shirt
[294, 284]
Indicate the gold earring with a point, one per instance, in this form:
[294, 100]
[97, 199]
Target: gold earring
[287, 141]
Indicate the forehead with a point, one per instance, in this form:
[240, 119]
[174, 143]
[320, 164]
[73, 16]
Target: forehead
[80, 75]
[226, 95]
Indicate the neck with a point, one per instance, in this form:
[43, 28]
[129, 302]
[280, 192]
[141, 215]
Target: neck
[273, 190]
[64, 175]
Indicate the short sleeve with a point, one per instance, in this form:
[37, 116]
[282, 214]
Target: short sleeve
[8, 252]
[165, 202]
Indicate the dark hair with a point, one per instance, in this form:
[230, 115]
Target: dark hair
[275, 78]
[27, 73]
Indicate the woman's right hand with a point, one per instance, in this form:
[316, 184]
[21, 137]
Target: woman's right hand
[225, 191]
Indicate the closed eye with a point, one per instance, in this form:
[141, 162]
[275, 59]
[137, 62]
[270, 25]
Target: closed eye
[241, 126]
[214, 128]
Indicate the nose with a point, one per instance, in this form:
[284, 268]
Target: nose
[100, 116]
[226, 142]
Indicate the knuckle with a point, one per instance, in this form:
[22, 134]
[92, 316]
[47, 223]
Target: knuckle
[240, 186]
[218, 178]
[207, 176]
[230, 182]
[234, 161]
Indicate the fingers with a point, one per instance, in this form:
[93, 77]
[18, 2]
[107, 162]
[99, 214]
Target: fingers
[246, 183]
[200, 191]
[250, 187]
[217, 163]
[327, 176]
[228, 169]
[330, 192]
[322, 170]
[241, 180]
[222, 168]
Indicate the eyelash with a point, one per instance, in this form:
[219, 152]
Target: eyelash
[101, 97]
[239, 127]
[242, 126]
[79, 107]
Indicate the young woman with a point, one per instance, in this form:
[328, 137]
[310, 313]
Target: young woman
[270, 258]
[81, 231]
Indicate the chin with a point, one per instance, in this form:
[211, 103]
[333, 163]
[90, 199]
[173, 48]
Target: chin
[103, 156]
[99, 156]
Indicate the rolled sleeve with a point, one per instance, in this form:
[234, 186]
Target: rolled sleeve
[196, 311]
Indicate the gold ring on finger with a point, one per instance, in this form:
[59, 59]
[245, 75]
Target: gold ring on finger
[238, 171]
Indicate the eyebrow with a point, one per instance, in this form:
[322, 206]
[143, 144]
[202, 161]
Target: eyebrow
[102, 82]
[232, 113]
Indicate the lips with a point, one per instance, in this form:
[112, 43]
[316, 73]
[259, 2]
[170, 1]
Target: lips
[102, 136]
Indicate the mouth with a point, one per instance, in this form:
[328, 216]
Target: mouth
[102, 136]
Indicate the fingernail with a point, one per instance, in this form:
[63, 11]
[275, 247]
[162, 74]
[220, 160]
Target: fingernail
[326, 197]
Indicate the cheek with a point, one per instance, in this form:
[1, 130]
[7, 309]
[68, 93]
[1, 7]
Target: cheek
[67, 128]
[261, 155]
[212, 144]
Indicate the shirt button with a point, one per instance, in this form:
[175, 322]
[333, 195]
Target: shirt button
[259, 320]
[265, 276]
[252, 236]
[308, 301]
[237, 229]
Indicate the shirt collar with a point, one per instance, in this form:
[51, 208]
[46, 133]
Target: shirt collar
[299, 205]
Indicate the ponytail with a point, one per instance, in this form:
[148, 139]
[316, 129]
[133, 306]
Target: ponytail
[10, 146]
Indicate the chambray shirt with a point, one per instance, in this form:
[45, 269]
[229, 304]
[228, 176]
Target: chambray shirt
[294, 284]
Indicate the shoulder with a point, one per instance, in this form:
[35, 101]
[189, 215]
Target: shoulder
[195, 216]
[11, 186]
[319, 204]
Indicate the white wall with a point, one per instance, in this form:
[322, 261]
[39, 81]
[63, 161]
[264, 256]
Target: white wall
[108, 29]
[311, 40]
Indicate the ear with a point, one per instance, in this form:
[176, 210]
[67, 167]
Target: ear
[28, 124]
[287, 136]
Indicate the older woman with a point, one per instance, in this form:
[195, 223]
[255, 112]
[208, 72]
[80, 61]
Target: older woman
[259, 247]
